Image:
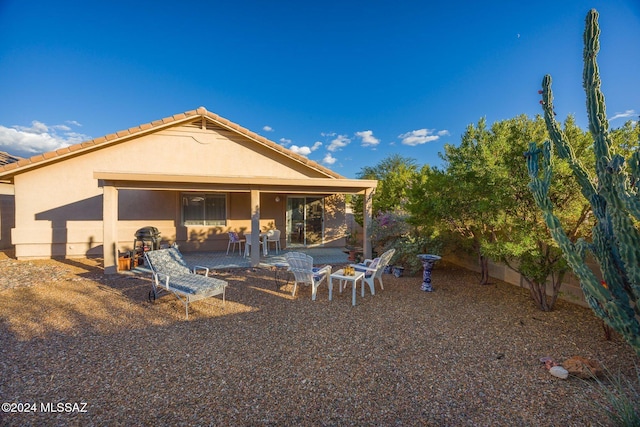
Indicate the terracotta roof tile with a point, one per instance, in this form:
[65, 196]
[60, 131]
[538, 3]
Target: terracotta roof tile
[122, 133]
[145, 126]
[63, 150]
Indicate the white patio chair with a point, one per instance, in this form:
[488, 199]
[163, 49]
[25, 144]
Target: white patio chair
[301, 265]
[273, 236]
[373, 269]
[247, 244]
[234, 240]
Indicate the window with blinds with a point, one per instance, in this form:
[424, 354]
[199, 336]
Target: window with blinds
[204, 209]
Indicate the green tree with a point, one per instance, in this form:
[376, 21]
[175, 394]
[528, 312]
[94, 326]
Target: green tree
[482, 199]
[394, 174]
[462, 199]
[522, 239]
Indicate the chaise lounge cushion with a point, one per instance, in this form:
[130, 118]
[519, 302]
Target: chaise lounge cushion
[169, 262]
[196, 284]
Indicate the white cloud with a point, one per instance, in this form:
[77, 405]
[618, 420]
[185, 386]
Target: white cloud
[368, 140]
[38, 138]
[305, 150]
[421, 136]
[339, 142]
[329, 159]
[285, 141]
[627, 113]
[267, 129]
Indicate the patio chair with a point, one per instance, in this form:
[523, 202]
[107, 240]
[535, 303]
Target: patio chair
[172, 274]
[247, 244]
[234, 240]
[301, 265]
[373, 269]
[273, 236]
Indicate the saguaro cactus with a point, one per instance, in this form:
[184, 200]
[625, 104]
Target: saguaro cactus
[614, 197]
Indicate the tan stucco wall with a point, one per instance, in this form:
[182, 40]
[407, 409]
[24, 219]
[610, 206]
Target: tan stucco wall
[569, 290]
[59, 206]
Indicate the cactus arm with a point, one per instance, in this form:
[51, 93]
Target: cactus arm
[606, 252]
[612, 182]
[596, 110]
[561, 144]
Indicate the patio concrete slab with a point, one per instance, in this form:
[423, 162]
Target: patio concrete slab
[222, 261]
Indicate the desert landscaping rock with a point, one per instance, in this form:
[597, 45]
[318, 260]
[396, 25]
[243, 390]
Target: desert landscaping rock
[465, 355]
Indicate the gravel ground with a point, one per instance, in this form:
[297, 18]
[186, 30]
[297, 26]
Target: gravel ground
[464, 355]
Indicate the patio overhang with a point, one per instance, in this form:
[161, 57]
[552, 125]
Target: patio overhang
[111, 182]
[152, 181]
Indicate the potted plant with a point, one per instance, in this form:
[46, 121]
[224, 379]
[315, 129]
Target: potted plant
[352, 243]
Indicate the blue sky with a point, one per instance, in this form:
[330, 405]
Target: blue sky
[345, 83]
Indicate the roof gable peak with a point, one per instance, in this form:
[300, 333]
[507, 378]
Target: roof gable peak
[22, 165]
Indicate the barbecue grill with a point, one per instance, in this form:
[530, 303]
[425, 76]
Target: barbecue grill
[147, 239]
[147, 235]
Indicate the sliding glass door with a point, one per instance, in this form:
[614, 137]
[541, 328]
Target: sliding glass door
[305, 221]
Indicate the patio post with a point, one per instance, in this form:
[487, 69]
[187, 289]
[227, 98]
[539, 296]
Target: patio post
[255, 228]
[109, 228]
[367, 207]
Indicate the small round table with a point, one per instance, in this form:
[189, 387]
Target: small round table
[427, 264]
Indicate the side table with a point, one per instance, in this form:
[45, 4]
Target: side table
[359, 275]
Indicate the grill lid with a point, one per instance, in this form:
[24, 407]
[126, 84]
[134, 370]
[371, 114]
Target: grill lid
[148, 233]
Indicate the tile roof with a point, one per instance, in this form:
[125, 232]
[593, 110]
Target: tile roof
[6, 158]
[18, 165]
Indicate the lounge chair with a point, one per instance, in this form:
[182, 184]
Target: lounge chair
[301, 265]
[172, 274]
[373, 269]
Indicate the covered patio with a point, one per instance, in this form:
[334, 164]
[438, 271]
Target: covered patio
[112, 182]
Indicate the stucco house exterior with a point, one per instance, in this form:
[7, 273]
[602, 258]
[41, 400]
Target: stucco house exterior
[195, 176]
